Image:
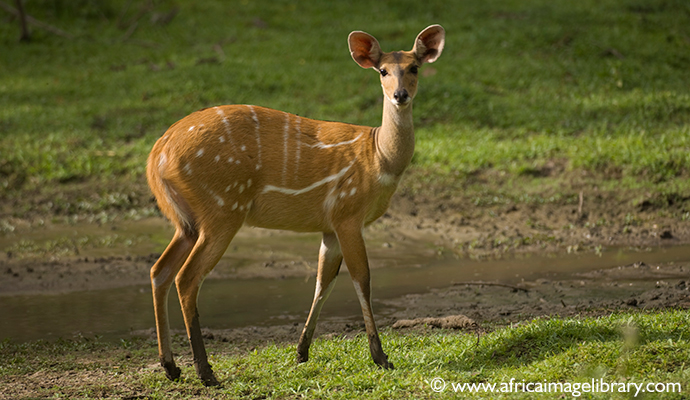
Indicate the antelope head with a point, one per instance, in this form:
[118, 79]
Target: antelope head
[398, 70]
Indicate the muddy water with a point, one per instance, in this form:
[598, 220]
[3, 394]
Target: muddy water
[256, 300]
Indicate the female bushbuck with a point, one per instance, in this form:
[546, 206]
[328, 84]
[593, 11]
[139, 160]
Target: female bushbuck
[225, 166]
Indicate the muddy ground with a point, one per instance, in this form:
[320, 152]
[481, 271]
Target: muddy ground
[483, 217]
[482, 306]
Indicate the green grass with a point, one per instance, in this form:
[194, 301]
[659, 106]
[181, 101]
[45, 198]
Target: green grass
[638, 347]
[595, 85]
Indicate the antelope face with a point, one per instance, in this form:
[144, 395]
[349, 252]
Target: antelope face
[398, 72]
[398, 69]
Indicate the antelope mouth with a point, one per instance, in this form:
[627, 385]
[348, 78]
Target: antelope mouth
[402, 104]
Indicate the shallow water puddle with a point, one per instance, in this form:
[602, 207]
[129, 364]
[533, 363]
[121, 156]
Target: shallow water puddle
[398, 269]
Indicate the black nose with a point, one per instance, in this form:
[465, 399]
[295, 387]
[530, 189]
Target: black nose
[401, 96]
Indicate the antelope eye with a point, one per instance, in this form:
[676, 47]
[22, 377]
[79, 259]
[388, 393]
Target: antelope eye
[414, 69]
[383, 72]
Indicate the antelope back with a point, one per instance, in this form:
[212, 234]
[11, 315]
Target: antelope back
[279, 170]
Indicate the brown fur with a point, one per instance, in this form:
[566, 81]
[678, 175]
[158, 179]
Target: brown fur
[225, 166]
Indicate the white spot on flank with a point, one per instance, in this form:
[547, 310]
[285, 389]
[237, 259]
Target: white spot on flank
[342, 194]
[218, 199]
[191, 128]
[243, 148]
[241, 208]
[271, 188]
[216, 158]
[349, 181]
[227, 188]
[230, 159]
[188, 169]
[241, 188]
[234, 206]
[353, 191]
[222, 139]
[200, 153]
[249, 182]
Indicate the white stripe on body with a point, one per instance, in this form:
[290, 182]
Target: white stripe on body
[228, 129]
[285, 147]
[294, 192]
[322, 145]
[257, 134]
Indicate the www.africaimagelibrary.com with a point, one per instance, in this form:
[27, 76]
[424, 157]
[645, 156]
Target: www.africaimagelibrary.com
[576, 389]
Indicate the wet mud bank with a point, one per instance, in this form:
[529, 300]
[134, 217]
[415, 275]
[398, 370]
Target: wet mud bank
[477, 306]
[433, 254]
[262, 288]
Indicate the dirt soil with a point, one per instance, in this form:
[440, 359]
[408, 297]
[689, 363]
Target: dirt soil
[477, 218]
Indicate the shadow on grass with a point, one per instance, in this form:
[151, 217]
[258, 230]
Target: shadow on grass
[546, 339]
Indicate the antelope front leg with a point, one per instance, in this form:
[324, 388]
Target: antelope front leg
[355, 254]
[330, 259]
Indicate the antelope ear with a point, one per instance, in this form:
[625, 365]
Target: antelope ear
[429, 44]
[365, 49]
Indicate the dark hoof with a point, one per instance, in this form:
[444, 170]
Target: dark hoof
[385, 364]
[210, 381]
[206, 375]
[302, 358]
[172, 372]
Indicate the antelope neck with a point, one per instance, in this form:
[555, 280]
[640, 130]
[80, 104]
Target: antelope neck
[395, 138]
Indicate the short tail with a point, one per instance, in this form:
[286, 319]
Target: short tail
[171, 203]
